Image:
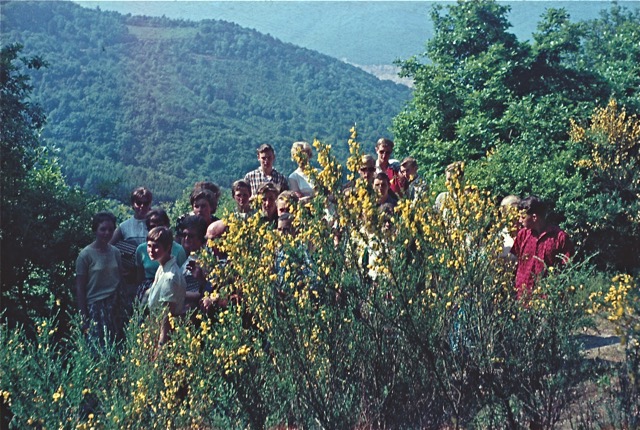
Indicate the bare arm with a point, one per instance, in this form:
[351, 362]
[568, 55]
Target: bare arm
[117, 236]
[81, 296]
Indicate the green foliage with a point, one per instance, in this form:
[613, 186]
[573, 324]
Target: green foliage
[505, 107]
[423, 333]
[164, 103]
[44, 221]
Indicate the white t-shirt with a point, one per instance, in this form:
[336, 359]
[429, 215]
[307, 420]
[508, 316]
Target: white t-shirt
[298, 181]
[169, 286]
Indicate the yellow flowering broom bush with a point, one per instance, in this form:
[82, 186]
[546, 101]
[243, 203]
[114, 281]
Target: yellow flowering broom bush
[359, 318]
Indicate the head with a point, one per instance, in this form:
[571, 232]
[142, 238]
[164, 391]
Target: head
[510, 201]
[141, 199]
[216, 229]
[192, 231]
[384, 149]
[269, 193]
[533, 213]
[266, 157]
[386, 217]
[381, 186]
[301, 153]
[159, 241]
[285, 224]
[454, 170]
[156, 218]
[409, 168]
[202, 202]
[367, 168]
[103, 224]
[241, 192]
[215, 190]
[286, 202]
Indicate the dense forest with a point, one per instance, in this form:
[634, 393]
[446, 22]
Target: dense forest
[139, 100]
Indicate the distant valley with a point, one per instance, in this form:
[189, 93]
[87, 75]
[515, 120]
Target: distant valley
[159, 102]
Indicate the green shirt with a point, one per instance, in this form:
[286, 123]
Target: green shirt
[103, 271]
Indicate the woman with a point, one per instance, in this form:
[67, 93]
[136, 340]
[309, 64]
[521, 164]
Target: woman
[98, 276]
[299, 183]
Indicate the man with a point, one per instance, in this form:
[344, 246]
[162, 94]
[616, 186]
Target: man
[385, 164]
[383, 193]
[538, 245]
[412, 184]
[269, 213]
[266, 173]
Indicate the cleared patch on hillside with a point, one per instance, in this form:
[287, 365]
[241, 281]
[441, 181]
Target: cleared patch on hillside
[157, 33]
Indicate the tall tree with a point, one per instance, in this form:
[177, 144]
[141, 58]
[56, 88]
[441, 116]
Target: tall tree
[43, 220]
[505, 106]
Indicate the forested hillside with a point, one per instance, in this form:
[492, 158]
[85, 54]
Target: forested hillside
[138, 100]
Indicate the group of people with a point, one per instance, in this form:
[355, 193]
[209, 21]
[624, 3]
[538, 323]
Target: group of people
[141, 259]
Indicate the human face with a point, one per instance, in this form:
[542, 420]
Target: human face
[269, 204]
[141, 208]
[382, 189]
[266, 159]
[367, 172]
[409, 172]
[202, 208]
[527, 220]
[305, 156]
[191, 242]
[242, 196]
[283, 207]
[285, 227]
[384, 153]
[156, 251]
[104, 232]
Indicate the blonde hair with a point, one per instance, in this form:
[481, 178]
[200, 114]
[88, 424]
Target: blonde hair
[300, 146]
[510, 200]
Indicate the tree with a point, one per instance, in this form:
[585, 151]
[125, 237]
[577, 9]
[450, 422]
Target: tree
[505, 106]
[43, 219]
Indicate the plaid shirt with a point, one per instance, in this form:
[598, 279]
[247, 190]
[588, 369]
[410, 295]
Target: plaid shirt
[255, 178]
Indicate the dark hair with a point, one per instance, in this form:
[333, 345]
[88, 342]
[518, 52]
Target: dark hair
[264, 148]
[533, 205]
[141, 193]
[240, 184]
[409, 162]
[383, 141]
[194, 222]
[202, 193]
[161, 235]
[286, 217]
[206, 185]
[101, 217]
[157, 213]
[382, 177]
[269, 187]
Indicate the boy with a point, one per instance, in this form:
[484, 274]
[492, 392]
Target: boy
[241, 192]
[266, 173]
[269, 193]
[538, 245]
[169, 286]
[385, 164]
[287, 201]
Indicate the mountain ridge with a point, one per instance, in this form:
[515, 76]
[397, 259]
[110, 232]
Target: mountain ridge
[159, 102]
